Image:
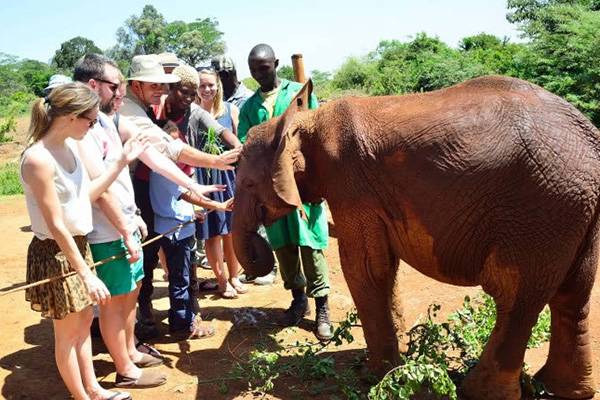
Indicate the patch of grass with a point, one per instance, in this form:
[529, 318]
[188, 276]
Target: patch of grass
[9, 179]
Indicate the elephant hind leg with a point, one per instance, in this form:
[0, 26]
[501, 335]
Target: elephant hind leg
[568, 369]
[519, 301]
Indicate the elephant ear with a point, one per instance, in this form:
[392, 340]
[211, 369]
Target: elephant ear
[282, 168]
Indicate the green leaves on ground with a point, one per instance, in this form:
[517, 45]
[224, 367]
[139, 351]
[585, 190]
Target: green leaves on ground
[439, 356]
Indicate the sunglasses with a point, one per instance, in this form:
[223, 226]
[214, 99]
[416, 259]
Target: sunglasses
[200, 69]
[91, 121]
[111, 85]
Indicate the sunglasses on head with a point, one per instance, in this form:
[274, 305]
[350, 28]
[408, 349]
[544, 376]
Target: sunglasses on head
[111, 85]
[91, 121]
[200, 69]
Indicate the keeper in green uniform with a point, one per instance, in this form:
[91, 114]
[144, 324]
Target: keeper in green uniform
[292, 238]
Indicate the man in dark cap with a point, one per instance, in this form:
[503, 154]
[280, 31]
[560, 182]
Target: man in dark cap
[234, 91]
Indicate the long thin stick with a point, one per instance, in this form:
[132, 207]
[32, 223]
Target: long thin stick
[94, 265]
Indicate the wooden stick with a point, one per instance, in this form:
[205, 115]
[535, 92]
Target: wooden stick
[298, 67]
[94, 265]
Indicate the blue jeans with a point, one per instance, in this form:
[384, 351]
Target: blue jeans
[178, 254]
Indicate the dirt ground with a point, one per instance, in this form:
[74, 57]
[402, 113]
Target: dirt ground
[194, 369]
[28, 371]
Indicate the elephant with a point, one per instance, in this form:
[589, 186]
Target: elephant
[493, 182]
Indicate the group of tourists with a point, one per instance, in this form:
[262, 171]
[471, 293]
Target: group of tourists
[113, 162]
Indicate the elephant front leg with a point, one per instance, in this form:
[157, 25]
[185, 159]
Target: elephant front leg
[370, 272]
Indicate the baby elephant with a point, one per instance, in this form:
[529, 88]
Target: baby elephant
[492, 182]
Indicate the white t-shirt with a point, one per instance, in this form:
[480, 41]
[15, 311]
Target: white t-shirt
[103, 147]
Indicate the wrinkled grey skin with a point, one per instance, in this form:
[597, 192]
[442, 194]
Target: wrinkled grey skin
[492, 182]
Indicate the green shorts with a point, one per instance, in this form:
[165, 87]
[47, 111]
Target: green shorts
[118, 275]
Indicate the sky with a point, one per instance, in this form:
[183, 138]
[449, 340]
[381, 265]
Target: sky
[325, 32]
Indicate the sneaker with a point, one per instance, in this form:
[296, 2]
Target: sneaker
[245, 278]
[268, 279]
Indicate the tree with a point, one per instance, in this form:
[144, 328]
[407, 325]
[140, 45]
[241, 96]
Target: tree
[150, 33]
[145, 34]
[195, 42]
[562, 55]
[286, 72]
[71, 50]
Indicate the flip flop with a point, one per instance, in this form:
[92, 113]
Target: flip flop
[148, 379]
[229, 292]
[201, 332]
[117, 394]
[238, 286]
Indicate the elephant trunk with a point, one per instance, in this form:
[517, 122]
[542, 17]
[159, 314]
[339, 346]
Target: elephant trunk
[253, 252]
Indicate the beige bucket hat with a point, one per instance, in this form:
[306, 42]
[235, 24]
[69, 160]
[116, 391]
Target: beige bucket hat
[147, 68]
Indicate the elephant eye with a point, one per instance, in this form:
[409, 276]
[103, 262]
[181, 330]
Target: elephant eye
[249, 184]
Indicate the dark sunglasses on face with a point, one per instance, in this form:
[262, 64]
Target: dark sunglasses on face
[111, 85]
[92, 121]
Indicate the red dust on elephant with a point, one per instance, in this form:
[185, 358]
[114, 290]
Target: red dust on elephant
[492, 182]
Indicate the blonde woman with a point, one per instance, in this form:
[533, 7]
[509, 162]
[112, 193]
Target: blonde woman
[216, 230]
[59, 193]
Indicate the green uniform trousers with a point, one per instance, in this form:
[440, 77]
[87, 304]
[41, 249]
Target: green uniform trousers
[316, 275]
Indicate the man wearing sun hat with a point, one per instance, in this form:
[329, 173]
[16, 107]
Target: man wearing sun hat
[146, 81]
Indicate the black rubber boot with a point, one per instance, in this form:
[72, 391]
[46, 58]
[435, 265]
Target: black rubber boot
[298, 309]
[324, 330]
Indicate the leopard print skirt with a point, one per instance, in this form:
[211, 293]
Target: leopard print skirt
[58, 298]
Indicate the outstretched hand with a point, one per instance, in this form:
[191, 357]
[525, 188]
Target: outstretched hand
[229, 204]
[228, 157]
[202, 190]
[135, 146]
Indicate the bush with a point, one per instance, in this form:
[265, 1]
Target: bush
[8, 126]
[9, 179]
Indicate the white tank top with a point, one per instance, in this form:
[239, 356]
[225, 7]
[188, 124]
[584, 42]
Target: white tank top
[73, 194]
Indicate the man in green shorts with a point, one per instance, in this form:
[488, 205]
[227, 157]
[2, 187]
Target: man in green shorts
[116, 228]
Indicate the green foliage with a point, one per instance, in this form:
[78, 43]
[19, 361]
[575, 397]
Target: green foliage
[150, 33]
[562, 55]
[286, 72]
[143, 34]
[9, 179]
[195, 42]
[353, 74]
[212, 145]
[266, 364]
[250, 83]
[441, 354]
[71, 51]
[8, 126]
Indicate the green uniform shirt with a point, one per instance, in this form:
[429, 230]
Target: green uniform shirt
[291, 228]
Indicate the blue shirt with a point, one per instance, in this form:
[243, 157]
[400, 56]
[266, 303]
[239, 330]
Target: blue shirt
[169, 210]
